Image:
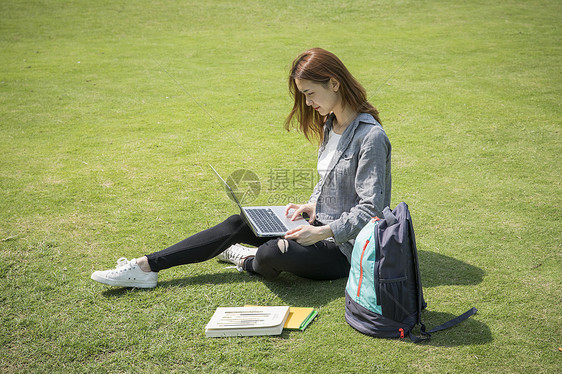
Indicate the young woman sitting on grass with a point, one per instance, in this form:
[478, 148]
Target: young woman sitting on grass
[330, 107]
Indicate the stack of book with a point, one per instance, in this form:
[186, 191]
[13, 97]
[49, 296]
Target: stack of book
[258, 320]
[300, 318]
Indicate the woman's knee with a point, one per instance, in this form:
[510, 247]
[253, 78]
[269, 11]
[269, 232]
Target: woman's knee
[271, 250]
[234, 220]
[268, 258]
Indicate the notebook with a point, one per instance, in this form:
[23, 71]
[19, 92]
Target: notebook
[247, 321]
[265, 221]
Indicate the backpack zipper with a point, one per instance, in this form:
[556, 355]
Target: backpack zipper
[376, 222]
[361, 268]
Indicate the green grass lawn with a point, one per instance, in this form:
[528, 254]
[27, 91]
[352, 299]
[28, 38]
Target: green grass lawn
[111, 112]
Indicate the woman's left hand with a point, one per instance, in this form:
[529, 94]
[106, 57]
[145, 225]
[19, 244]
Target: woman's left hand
[308, 235]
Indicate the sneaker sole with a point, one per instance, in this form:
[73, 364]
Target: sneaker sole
[135, 284]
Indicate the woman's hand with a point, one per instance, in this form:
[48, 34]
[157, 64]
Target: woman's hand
[309, 209]
[308, 235]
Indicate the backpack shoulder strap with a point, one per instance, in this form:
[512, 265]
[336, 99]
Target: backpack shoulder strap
[454, 321]
[426, 335]
[419, 289]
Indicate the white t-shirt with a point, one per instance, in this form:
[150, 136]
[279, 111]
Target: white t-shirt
[328, 154]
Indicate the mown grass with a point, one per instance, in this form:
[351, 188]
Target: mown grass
[110, 113]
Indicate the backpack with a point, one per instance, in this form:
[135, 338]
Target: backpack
[383, 295]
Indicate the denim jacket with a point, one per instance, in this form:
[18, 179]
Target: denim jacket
[357, 183]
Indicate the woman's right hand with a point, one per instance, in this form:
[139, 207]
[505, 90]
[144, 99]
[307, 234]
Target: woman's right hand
[299, 209]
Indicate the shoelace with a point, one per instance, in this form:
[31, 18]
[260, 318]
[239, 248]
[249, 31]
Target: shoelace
[234, 256]
[237, 255]
[122, 262]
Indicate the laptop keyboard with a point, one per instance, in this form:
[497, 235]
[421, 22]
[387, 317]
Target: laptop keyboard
[266, 220]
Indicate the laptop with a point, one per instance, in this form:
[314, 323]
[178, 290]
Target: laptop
[265, 221]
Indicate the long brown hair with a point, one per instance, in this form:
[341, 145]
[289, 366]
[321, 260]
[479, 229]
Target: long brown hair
[319, 65]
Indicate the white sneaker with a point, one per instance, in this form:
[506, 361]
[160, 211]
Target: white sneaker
[236, 254]
[126, 274]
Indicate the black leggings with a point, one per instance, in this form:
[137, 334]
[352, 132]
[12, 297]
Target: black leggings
[320, 261]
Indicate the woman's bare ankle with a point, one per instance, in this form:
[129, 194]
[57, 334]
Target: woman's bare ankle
[143, 264]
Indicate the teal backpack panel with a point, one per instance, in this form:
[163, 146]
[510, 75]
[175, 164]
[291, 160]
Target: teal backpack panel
[361, 283]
